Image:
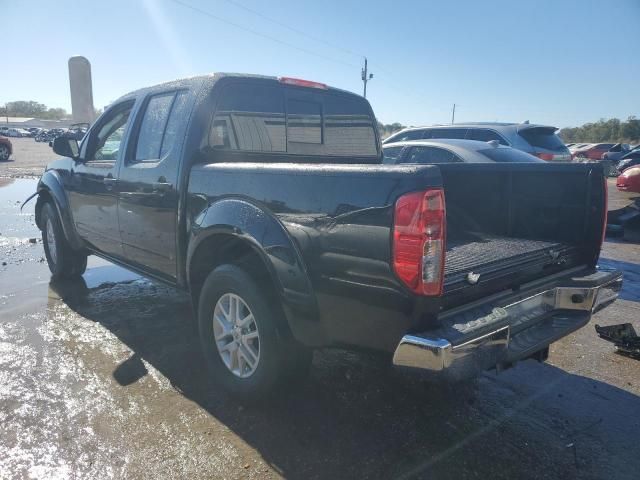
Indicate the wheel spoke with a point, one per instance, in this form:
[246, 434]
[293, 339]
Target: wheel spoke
[250, 335]
[250, 359]
[246, 321]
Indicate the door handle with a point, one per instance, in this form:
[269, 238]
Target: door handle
[161, 187]
[109, 182]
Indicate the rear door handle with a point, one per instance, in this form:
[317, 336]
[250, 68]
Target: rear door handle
[161, 187]
[109, 182]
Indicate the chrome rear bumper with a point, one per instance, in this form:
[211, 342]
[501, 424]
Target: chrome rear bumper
[510, 332]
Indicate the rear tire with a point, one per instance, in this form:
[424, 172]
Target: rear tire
[244, 345]
[63, 261]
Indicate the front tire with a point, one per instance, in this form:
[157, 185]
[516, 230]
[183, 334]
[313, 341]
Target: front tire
[246, 349]
[63, 261]
[4, 153]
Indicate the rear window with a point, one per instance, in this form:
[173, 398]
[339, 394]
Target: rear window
[506, 155]
[264, 118]
[391, 154]
[428, 155]
[543, 138]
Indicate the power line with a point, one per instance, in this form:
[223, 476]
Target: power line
[293, 29]
[263, 35]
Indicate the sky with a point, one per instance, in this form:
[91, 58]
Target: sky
[556, 62]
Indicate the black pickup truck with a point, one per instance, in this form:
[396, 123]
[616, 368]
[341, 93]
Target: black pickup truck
[265, 198]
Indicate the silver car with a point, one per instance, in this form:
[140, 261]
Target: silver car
[538, 140]
[453, 151]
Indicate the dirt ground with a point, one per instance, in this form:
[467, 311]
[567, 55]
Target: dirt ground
[28, 160]
[102, 378]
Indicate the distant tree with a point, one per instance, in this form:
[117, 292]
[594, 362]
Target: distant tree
[611, 130]
[30, 108]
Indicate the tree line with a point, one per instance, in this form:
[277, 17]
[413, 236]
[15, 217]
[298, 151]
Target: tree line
[31, 109]
[612, 130]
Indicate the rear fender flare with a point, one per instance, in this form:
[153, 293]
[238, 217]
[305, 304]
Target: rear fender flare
[269, 239]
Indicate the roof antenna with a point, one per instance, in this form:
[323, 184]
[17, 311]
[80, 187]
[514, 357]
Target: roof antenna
[526, 122]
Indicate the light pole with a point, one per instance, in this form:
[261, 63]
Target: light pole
[366, 76]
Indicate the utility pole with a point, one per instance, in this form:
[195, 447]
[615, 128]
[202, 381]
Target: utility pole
[366, 76]
[453, 114]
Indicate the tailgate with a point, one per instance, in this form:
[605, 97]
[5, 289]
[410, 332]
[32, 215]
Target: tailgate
[511, 223]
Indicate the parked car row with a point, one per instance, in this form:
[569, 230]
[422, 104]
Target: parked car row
[538, 140]
[15, 132]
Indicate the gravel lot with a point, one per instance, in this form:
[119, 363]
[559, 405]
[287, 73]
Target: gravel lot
[102, 378]
[29, 158]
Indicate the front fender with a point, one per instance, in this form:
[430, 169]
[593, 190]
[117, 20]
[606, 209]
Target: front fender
[51, 187]
[269, 238]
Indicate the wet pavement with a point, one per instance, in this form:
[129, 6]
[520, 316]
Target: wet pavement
[102, 378]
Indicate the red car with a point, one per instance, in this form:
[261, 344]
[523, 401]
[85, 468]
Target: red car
[593, 152]
[629, 180]
[6, 149]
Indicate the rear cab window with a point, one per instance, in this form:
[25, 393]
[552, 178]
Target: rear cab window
[259, 117]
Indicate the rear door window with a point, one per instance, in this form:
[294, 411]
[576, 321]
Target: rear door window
[427, 155]
[485, 135]
[152, 127]
[163, 117]
[543, 137]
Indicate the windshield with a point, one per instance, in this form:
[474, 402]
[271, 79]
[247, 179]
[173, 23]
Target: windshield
[543, 137]
[505, 155]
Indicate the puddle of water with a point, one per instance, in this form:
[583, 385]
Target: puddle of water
[16, 227]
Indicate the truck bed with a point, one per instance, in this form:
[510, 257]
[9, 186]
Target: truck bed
[481, 252]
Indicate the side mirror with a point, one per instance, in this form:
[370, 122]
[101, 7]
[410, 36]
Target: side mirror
[66, 147]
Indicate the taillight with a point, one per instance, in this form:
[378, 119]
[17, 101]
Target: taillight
[419, 235]
[545, 156]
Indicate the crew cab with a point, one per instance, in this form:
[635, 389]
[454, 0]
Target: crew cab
[266, 199]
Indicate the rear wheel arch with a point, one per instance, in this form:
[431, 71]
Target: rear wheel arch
[223, 248]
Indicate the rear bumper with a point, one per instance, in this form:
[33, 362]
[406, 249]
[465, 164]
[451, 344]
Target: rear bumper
[512, 330]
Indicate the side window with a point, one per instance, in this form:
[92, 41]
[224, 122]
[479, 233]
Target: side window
[448, 133]
[391, 154]
[410, 135]
[106, 141]
[250, 118]
[152, 127]
[177, 119]
[485, 135]
[426, 155]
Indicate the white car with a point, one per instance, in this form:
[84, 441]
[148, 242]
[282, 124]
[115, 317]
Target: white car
[16, 132]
